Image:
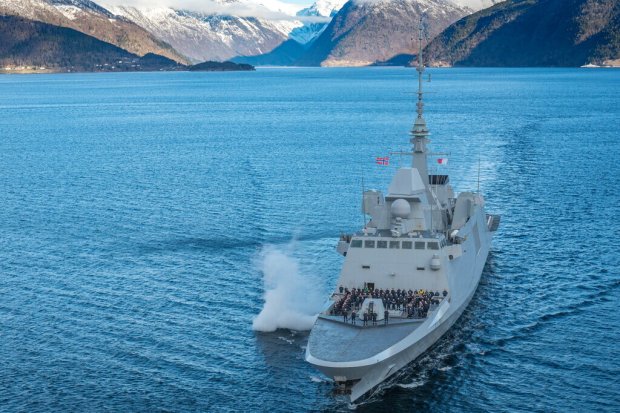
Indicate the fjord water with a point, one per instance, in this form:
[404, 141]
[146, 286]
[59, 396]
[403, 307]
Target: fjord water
[138, 211]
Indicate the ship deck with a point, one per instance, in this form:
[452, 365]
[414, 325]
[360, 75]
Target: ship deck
[333, 340]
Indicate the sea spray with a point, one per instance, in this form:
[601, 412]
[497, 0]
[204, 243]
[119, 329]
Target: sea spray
[292, 299]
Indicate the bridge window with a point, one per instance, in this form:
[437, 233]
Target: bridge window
[395, 244]
[407, 245]
[419, 245]
[381, 244]
[433, 245]
[356, 243]
[369, 243]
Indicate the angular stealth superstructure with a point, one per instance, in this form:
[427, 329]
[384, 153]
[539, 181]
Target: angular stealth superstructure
[417, 263]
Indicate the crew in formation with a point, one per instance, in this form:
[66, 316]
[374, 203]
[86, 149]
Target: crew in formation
[408, 304]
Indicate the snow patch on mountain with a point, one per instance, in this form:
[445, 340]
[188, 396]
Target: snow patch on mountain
[476, 5]
[70, 12]
[325, 8]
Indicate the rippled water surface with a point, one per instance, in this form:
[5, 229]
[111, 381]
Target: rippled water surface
[135, 208]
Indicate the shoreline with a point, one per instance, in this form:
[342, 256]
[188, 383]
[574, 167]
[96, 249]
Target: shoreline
[48, 71]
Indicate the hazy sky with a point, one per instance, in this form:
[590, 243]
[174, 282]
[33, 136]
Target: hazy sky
[301, 2]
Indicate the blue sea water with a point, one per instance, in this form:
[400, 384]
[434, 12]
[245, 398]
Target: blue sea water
[136, 211]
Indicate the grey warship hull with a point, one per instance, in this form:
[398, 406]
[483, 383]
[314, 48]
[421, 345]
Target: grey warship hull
[411, 272]
[359, 372]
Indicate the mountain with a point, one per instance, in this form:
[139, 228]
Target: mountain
[316, 18]
[211, 36]
[367, 31]
[28, 43]
[533, 33]
[92, 19]
[229, 28]
[33, 46]
[286, 54]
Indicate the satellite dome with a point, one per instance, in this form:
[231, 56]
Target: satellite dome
[401, 208]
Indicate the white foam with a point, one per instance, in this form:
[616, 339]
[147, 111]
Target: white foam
[292, 299]
[316, 379]
[411, 385]
[286, 339]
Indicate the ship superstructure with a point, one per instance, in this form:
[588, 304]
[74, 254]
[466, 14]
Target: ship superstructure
[407, 275]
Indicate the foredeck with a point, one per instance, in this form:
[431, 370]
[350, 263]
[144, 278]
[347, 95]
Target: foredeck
[333, 340]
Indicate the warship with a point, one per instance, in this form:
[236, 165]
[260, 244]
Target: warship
[407, 276]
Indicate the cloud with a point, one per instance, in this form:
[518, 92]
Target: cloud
[274, 11]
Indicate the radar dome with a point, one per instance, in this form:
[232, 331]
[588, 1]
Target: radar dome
[401, 208]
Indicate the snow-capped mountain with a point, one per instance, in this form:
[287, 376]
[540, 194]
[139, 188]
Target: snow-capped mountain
[333, 31]
[316, 17]
[210, 36]
[365, 32]
[92, 19]
[322, 8]
[223, 29]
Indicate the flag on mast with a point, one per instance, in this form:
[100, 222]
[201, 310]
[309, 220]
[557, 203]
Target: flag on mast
[383, 160]
[442, 161]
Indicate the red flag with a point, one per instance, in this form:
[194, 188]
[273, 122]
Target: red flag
[442, 161]
[383, 160]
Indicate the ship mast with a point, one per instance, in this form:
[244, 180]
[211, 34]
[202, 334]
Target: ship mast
[420, 132]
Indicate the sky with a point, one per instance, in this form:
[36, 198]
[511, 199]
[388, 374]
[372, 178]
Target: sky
[298, 2]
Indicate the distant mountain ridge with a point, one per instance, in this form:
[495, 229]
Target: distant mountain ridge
[348, 33]
[201, 36]
[365, 32]
[28, 43]
[34, 46]
[533, 33]
[92, 19]
[286, 54]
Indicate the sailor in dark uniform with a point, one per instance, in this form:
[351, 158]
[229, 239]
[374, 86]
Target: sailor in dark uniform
[386, 315]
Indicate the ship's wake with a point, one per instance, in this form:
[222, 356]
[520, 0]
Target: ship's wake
[292, 299]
